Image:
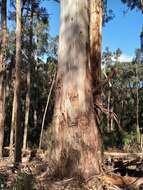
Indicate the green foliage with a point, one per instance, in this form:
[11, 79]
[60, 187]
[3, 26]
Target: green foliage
[43, 67]
[108, 14]
[2, 182]
[47, 138]
[23, 182]
[123, 88]
[120, 139]
[132, 4]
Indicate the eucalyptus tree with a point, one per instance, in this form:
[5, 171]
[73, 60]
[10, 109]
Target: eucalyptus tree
[16, 101]
[117, 55]
[34, 45]
[99, 16]
[107, 57]
[76, 133]
[2, 70]
[27, 101]
[138, 60]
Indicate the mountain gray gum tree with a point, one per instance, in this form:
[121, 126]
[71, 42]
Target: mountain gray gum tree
[76, 136]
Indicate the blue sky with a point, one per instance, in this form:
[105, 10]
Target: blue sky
[122, 32]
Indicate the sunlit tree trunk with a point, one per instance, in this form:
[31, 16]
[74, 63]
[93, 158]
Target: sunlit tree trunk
[137, 106]
[45, 111]
[2, 71]
[77, 142]
[112, 127]
[27, 107]
[35, 114]
[16, 101]
[35, 118]
[12, 129]
[96, 12]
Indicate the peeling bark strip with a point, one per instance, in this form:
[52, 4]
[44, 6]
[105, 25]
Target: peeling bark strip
[96, 12]
[77, 143]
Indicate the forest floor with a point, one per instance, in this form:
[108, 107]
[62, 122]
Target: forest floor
[122, 171]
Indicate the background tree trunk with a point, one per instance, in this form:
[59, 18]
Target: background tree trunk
[27, 107]
[109, 110]
[12, 128]
[137, 106]
[77, 142]
[2, 72]
[16, 108]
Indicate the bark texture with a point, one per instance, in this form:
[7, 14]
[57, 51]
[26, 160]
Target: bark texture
[76, 142]
[2, 72]
[96, 12]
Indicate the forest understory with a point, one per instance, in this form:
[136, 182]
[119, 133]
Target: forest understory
[120, 171]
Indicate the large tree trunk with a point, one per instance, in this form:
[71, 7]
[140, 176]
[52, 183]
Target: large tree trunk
[77, 142]
[27, 107]
[96, 12]
[16, 101]
[2, 72]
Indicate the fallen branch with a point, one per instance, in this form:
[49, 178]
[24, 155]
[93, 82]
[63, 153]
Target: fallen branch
[122, 154]
[122, 180]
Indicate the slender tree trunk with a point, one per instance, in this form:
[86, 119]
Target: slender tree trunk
[27, 109]
[137, 116]
[137, 106]
[112, 109]
[96, 11]
[12, 128]
[2, 72]
[35, 118]
[35, 114]
[44, 116]
[108, 107]
[77, 142]
[16, 101]
[11, 141]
